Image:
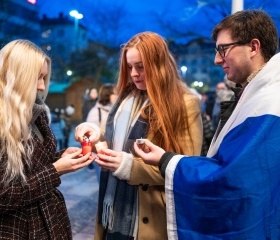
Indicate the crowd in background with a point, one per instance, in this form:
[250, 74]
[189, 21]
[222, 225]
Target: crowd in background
[61, 125]
[96, 104]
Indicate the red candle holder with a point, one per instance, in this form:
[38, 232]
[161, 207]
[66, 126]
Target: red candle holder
[86, 146]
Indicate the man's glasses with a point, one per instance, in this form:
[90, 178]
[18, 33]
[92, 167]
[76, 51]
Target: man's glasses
[222, 48]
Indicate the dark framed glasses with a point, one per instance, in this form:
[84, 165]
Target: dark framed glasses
[222, 48]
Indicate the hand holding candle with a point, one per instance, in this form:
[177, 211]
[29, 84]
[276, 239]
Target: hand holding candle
[141, 144]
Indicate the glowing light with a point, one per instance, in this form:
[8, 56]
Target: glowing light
[76, 14]
[32, 1]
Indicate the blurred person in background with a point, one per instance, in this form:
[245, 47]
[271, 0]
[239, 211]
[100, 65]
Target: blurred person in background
[31, 206]
[89, 100]
[208, 132]
[57, 126]
[99, 113]
[223, 93]
[67, 116]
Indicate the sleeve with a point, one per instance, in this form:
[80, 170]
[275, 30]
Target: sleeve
[38, 186]
[146, 175]
[164, 160]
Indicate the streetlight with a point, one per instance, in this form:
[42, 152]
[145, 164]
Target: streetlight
[77, 16]
[184, 70]
[236, 5]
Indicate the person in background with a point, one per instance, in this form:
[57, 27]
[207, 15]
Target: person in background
[67, 118]
[208, 132]
[89, 100]
[153, 103]
[57, 126]
[234, 192]
[223, 93]
[99, 113]
[31, 206]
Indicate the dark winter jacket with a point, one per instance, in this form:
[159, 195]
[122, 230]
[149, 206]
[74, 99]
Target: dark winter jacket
[36, 210]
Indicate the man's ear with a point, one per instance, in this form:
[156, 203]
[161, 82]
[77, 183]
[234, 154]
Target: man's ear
[255, 45]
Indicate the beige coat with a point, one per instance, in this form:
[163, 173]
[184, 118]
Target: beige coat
[152, 210]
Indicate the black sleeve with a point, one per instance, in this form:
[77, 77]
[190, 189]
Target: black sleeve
[163, 162]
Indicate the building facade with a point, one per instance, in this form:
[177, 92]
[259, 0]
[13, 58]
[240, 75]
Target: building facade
[60, 38]
[19, 19]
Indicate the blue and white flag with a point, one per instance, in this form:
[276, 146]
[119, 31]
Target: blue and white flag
[234, 192]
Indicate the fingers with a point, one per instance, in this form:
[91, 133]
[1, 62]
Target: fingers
[139, 150]
[148, 144]
[109, 159]
[107, 162]
[143, 144]
[91, 130]
[74, 154]
[107, 151]
[78, 163]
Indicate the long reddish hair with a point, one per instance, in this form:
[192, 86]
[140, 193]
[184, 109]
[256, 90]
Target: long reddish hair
[166, 111]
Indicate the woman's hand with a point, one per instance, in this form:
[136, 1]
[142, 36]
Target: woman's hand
[151, 156]
[90, 130]
[72, 160]
[109, 159]
[70, 150]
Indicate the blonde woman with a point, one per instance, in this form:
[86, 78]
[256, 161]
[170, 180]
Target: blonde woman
[153, 103]
[31, 207]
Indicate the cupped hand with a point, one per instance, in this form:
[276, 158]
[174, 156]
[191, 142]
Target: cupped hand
[150, 154]
[90, 130]
[72, 161]
[109, 159]
[70, 150]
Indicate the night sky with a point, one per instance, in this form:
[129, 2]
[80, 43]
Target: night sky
[114, 22]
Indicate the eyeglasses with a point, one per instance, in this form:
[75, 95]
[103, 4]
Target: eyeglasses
[222, 48]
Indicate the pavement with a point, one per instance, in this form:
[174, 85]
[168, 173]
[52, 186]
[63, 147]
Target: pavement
[80, 190]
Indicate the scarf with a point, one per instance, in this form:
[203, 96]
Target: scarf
[121, 127]
[118, 199]
[38, 108]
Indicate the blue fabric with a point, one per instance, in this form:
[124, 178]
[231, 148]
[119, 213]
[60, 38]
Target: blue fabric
[232, 199]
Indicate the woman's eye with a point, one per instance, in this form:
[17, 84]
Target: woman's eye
[140, 67]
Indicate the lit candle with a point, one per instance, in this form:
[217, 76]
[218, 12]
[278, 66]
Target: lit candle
[101, 145]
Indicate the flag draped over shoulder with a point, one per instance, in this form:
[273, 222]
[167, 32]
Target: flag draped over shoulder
[234, 192]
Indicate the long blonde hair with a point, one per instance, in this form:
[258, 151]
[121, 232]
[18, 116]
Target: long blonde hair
[20, 64]
[166, 112]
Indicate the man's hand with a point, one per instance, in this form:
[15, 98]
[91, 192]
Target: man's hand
[150, 154]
